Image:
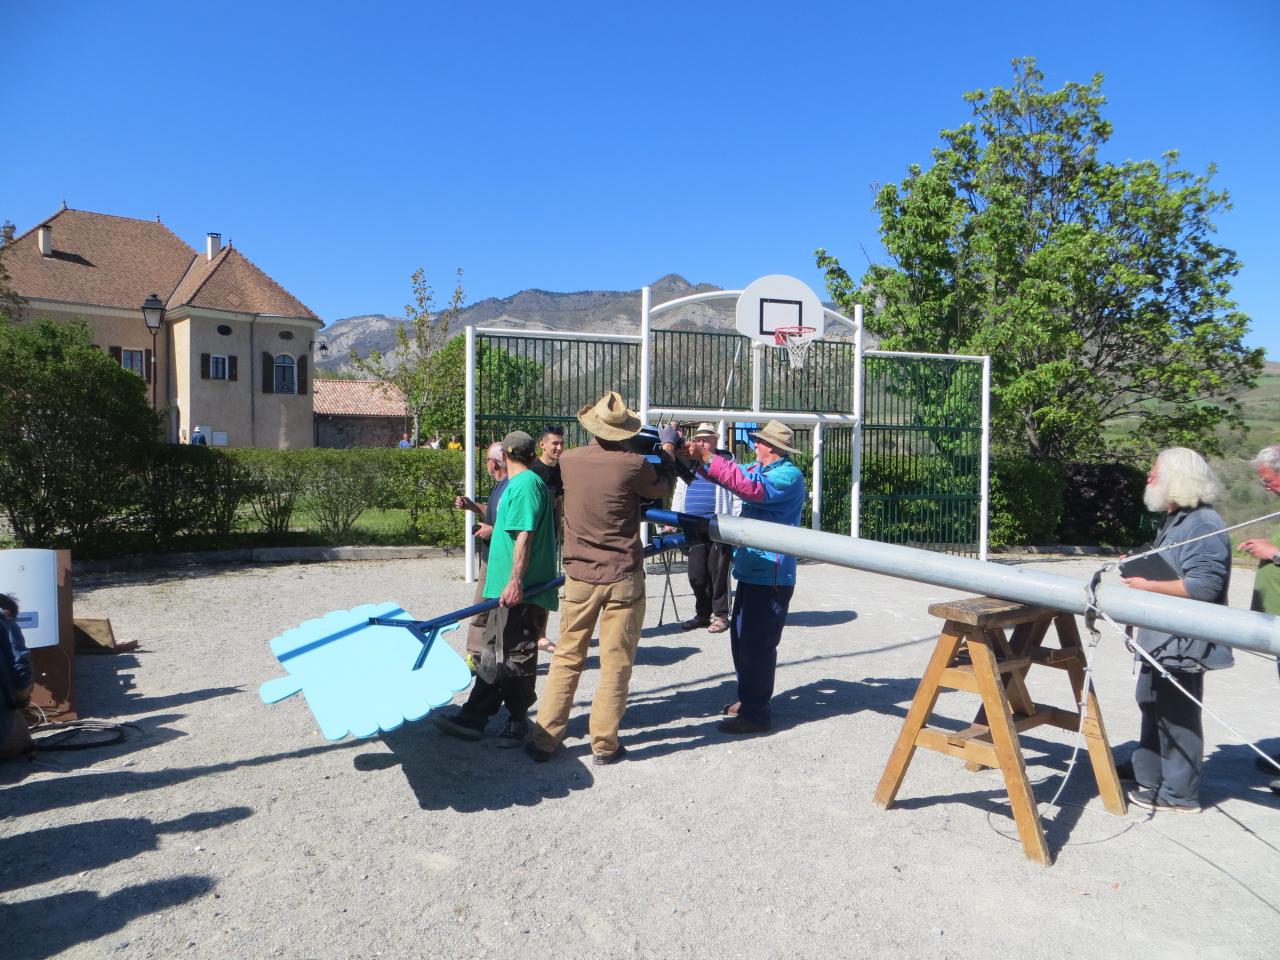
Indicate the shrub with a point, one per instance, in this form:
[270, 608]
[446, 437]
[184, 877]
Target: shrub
[1102, 503]
[1026, 501]
[277, 479]
[341, 485]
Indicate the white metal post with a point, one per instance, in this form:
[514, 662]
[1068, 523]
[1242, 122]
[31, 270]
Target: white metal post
[723, 434]
[757, 376]
[816, 521]
[645, 353]
[983, 522]
[469, 448]
[855, 494]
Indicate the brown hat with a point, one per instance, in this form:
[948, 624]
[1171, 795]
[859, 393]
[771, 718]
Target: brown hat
[519, 443]
[609, 418]
[776, 435]
[706, 430]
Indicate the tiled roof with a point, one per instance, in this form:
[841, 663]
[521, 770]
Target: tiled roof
[357, 398]
[114, 261]
[98, 259]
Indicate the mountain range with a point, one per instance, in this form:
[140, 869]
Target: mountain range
[593, 311]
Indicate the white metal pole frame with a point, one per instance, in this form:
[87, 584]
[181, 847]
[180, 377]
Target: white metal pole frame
[983, 516]
[469, 449]
[645, 353]
[757, 375]
[815, 520]
[855, 493]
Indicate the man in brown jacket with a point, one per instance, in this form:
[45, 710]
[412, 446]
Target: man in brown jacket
[604, 576]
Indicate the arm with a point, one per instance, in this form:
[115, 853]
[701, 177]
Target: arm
[725, 473]
[513, 594]
[466, 503]
[483, 531]
[1170, 588]
[1260, 549]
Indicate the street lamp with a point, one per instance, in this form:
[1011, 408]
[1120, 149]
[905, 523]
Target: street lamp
[153, 314]
[324, 350]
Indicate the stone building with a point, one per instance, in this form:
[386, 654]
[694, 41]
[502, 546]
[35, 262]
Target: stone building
[359, 413]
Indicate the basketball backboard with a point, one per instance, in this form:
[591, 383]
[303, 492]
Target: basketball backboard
[778, 301]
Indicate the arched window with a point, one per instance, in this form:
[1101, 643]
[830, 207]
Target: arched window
[286, 381]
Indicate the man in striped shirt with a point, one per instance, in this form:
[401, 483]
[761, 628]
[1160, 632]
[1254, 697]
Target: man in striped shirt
[710, 562]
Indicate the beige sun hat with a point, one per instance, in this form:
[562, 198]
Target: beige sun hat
[706, 430]
[609, 419]
[776, 435]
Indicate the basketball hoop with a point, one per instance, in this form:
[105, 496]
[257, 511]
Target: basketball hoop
[797, 340]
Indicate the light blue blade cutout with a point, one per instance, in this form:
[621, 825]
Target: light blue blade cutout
[358, 679]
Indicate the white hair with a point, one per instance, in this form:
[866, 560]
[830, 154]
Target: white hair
[1268, 457]
[495, 452]
[1184, 480]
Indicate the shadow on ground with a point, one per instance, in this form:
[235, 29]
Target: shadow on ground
[38, 856]
[450, 774]
[47, 926]
[106, 685]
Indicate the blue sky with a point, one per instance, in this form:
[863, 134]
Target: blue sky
[573, 146]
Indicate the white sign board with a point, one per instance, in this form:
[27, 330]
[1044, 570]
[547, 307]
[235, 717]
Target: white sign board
[31, 576]
[778, 301]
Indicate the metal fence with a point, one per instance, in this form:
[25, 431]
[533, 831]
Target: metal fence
[922, 452]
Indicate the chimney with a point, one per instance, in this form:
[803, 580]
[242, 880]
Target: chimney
[44, 240]
[212, 244]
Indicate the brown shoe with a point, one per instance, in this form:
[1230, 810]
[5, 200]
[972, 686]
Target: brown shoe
[731, 709]
[742, 725]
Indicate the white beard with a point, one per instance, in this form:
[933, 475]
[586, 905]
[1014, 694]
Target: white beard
[1156, 496]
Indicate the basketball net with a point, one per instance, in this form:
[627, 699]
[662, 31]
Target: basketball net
[797, 341]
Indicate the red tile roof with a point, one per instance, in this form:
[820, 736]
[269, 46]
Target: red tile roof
[104, 260]
[357, 398]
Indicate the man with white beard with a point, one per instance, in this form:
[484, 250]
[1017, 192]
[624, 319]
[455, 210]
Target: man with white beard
[1168, 760]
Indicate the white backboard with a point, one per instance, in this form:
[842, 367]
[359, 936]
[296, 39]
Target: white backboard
[778, 301]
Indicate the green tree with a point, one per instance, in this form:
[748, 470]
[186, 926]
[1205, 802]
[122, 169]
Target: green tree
[75, 432]
[409, 364]
[506, 384]
[1096, 287]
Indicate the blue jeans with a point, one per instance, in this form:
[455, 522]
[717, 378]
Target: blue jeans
[755, 629]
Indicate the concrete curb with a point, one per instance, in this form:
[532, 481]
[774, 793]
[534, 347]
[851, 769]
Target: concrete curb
[151, 561]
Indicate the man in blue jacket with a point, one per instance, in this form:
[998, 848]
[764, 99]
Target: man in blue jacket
[771, 488]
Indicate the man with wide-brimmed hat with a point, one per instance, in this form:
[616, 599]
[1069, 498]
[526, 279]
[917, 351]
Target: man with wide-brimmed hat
[709, 562]
[771, 488]
[604, 484]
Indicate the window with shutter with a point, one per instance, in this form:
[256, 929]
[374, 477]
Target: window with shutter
[148, 365]
[204, 366]
[302, 373]
[268, 373]
[285, 381]
[232, 371]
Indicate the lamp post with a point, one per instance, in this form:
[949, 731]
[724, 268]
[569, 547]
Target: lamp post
[324, 350]
[153, 314]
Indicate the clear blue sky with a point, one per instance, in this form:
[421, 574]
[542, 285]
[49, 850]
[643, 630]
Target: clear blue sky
[573, 146]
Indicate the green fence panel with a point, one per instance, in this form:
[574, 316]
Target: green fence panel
[921, 452]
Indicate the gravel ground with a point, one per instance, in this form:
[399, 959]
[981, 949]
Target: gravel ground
[226, 828]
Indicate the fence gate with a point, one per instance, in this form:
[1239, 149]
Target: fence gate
[924, 451]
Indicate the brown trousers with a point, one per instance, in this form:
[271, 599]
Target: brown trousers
[619, 609]
[479, 628]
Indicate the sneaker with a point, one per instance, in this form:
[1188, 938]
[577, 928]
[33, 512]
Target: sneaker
[608, 759]
[457, 725]
[1150, 800]
[539, 756]
[697, 623]
[514, 734]
[741, 725]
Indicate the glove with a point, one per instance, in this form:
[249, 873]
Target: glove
[668, 435]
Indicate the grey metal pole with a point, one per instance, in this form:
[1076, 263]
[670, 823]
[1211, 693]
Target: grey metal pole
[1242, 629]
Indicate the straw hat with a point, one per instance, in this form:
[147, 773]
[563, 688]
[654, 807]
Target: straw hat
[776, 435]
[609, 418]
[706, 430]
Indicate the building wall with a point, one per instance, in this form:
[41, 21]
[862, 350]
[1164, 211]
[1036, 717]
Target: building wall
[238, 408]
[116, 328]
[343, 432]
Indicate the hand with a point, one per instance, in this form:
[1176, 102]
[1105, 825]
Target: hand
[1138, 583]
[466, 503]
[512, 595]
[484, 531]
[699, 450]
[1260, 549]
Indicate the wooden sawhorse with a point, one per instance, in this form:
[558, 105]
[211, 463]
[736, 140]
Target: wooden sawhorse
[974, 654]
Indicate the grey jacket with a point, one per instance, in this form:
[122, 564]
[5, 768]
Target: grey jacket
[1205, 569]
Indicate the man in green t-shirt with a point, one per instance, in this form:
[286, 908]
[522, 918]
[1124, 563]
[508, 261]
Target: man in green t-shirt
[522, 554]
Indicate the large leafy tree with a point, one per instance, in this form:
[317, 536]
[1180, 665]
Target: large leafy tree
[506, 384]
[1096, 287]
[410, 365]
[75, 432]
